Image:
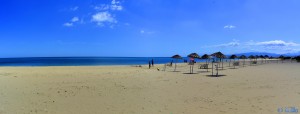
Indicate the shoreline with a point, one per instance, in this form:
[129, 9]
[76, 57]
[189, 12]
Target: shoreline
[202, 61]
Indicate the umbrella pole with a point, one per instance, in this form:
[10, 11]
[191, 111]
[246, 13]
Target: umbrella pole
[233, 64]
[193, 69]
[190, 69]
[212, 68]
[217, 71]
[207, 65]
[175, 65]
[222, 63]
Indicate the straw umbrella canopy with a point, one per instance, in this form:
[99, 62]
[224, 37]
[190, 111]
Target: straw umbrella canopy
[220, 56]
[232, 57]
[256, 56]
[266, 57]
[281, 57]
[205, 56]
[251, 57]
[176, 57]
[193, 56]
[243, 57]
[262, 57]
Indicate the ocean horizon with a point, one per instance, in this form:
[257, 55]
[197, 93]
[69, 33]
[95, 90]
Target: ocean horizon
[86, 61]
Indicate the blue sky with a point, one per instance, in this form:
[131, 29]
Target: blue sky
[147, 27]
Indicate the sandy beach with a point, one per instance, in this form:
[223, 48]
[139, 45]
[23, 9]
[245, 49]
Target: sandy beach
[259, 89]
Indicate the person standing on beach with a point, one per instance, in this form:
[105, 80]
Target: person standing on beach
[152, 62]
[149, 65]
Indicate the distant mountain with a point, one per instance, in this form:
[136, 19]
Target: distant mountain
[292, 54]
[269, 54]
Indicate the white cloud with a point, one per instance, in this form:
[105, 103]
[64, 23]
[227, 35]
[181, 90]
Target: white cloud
[116, 5]
[272, 46]
[115, 2]
[234, 43]
[74, 19]
[74, 8]
[71, 23]
[276, 43]
[102, 7]
[146, 32]
[68, 24]
[103, 17]
[229, 27]
[231, 44]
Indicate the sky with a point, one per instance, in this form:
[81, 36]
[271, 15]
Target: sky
[147, 28]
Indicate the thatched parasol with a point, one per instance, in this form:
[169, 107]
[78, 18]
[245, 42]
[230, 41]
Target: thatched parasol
[232, 57]
[251, 57]
[176, 57]
[205, 56]
[193, 56]
[262, 58]
[220, 56]
[266, 57]
[281, 57]
[243, 57]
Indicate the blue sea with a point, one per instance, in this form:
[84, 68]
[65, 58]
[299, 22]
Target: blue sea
[84, 61]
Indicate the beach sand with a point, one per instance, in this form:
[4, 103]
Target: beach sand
[133, 90]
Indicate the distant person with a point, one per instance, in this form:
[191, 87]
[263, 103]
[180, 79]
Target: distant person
[152, 62]
[149, 65]
[171, 63]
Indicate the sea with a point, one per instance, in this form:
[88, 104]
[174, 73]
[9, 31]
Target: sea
[86, 61]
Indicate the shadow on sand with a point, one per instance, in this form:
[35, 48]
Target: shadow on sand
[232, 68]
[203, 71]
[221, 75]
[221, 69]
[189, 73]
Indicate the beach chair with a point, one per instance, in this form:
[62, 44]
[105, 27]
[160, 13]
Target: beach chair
[204, 66]
[169, 64]
[236, 63]
[191, 63]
